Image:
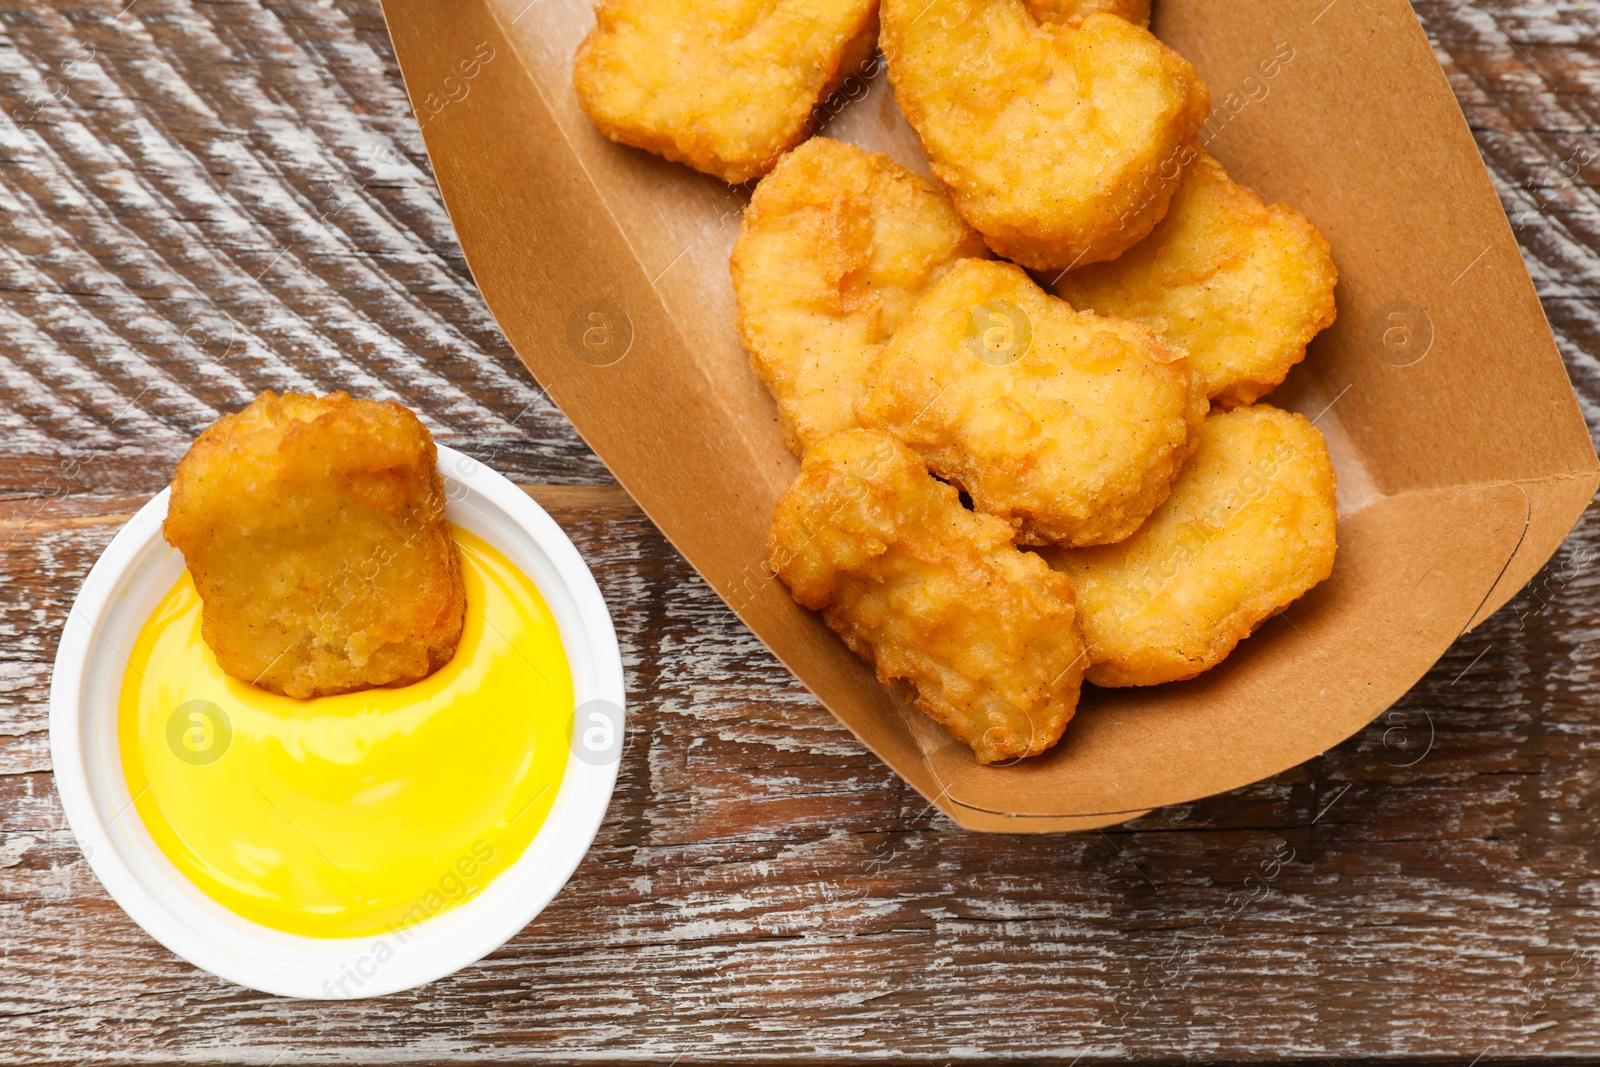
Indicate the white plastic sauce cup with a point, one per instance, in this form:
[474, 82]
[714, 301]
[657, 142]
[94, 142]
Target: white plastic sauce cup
[124, 586]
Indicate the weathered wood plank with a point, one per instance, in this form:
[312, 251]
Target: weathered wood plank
[230, 196]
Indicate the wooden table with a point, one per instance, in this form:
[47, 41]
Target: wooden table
[184, 226]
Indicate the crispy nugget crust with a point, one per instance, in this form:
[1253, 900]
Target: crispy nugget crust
[835, 247]
[1071, 12]
[1061, 144]
[726, 86]
[1076, 441]
[1241, 285]
[1250, 527]
[982, 636]
[314, 529]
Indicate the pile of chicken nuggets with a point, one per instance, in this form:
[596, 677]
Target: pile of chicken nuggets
[1004, 490]
[314, 528]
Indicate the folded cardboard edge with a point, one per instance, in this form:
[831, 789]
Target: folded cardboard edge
[1555, 506]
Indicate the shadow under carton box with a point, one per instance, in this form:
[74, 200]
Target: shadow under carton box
[1462, 458]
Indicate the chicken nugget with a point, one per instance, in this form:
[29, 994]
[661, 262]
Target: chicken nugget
[1069, 426]
[726, 86]
[1062, 145]
[314, 530]
[1240, 284]
[979, 634]
[1249, 528]
[1071, 12]
[835, 247]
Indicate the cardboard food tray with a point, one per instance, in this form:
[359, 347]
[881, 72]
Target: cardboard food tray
[1461, 454]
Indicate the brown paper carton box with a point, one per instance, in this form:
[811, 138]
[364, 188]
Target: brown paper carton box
[1461, 455]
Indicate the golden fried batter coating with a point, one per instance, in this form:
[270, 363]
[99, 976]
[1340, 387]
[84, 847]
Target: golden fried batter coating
[1061, 144]
[1241, 285]
[1071, 12]
[726, 86]
[980, 635]
[1069, 426]
[1248, 529]
[836, 246]
[314, 529]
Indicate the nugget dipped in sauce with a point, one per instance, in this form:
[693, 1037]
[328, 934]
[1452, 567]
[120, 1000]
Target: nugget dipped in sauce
[314, 530]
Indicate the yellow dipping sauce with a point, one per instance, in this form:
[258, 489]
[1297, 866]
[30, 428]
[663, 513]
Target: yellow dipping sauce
[351, 815]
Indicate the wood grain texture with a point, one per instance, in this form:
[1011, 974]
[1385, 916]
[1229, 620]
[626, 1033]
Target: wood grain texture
[201, 200]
